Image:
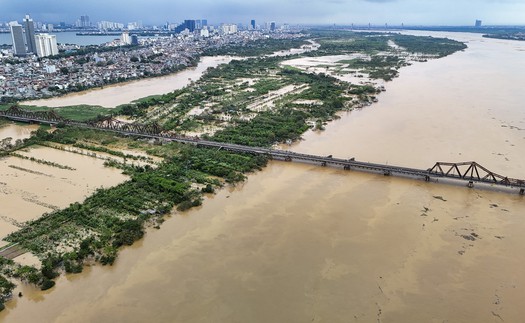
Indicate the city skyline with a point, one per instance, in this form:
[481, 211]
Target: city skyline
[409, 12]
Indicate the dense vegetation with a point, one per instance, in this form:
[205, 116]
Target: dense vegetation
[265, 129]
[439, 47]
[257, 48]
[344, 42]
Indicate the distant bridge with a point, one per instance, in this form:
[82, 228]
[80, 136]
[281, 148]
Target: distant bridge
[467, 172]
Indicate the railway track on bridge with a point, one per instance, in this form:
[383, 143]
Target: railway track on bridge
[466, 172]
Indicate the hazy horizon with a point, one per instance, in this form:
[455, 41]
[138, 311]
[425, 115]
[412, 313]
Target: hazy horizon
[314, 12]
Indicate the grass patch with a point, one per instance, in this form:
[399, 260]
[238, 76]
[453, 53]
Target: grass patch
[74, 112]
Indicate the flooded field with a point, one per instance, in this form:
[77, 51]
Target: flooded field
[301, 243]
[28, 188]
[334, 66]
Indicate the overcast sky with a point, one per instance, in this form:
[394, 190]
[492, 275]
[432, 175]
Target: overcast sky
[393, 12]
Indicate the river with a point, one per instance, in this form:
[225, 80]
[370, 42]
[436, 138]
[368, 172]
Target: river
[16, 131]
[122, 93]
[299, 243]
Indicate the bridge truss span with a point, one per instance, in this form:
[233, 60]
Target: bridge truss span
[473, 171]
[113, 124]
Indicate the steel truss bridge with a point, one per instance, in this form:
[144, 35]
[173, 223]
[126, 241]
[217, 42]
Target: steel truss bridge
[467, 172]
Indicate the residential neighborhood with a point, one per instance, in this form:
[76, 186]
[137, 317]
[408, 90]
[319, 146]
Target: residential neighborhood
[78, 68]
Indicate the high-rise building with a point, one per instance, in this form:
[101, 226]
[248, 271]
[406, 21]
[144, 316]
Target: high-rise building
[252, 23]
[46, 45]
[187, 24]
[134, 40]
[229, 28]
[478, 23]
[29, 26]
[204, 22]
[272, 26]
[84, 21]
[190, 25]
[198, 24]
[108, 25]
[17, 34]
[125, 39]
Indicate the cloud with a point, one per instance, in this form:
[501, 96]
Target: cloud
[293, 11]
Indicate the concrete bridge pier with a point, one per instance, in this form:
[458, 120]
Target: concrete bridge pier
[470, 184]
[522, 191]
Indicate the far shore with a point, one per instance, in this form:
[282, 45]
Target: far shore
[113, 95]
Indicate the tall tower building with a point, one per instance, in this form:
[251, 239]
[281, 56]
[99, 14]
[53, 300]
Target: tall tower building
[272, 26]
[125, 39]
[190, 24]
[134, 40]
[29, 26]
[17, 34]
[478, 23]
[252, 23]
[84, 21]
[46, 45]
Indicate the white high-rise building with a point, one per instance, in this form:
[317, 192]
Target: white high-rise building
[108, 25]
[229, 28]
[46, 45]
[125, 39]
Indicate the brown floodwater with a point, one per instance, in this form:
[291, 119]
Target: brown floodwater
[28, 188]
[16, 131]
[298, 243]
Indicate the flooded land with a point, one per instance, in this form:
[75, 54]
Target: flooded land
[298, 243]
[29, 188]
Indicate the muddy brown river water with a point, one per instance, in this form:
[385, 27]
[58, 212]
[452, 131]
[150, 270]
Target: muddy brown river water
[114, 95]
[301, 243]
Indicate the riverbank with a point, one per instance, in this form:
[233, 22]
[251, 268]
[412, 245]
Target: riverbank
[287, 120]
[114, 95]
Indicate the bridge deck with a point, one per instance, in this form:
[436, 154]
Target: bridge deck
[470, 176]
